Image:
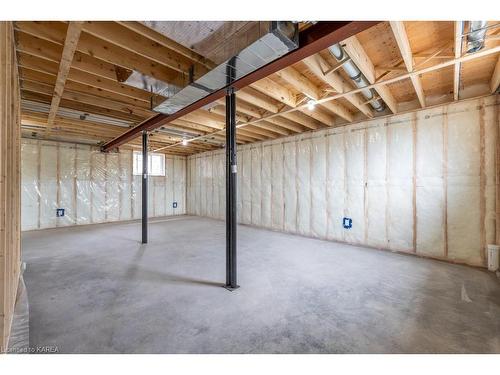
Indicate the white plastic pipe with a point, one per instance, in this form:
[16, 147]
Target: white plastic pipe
[493, 259]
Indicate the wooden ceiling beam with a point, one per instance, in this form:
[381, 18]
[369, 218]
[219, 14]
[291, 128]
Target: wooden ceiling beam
[76, 105]
[259, 130]
[51, 51]
[286, 124]
[268, 127]
[311, 40]
[85, 98]
[302, 119]
[70, 44]
[457, 49]
[300, 82]
[495, 78]
[319, 67]
[129, 40]
[206, 118]
[244, 108]
[399, 31]
[465, 58]
[247, 95]
[103, 50]
[270, 88]
[339, 110]
[153, 35]
[325, 118]
[251, 96]
[27, 74]
[221, 111]
[205, 130]
[85, 78]
[361, 59]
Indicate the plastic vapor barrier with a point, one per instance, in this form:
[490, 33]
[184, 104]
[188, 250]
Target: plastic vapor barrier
[91, 187]
[421, 182]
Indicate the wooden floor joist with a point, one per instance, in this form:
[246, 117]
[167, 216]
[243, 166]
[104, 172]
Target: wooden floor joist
[398, 28]
[70, 44]
[273, 105]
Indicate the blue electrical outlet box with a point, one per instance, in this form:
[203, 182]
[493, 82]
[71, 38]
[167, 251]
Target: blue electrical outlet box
[175, 205]
[347, 222]
[60, 212]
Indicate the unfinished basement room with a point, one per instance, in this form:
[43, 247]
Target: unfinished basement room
[250, 187]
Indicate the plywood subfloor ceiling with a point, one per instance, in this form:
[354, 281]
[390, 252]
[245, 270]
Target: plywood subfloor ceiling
[71, 91]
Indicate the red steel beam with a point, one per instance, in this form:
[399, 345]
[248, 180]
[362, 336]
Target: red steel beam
[312, 40]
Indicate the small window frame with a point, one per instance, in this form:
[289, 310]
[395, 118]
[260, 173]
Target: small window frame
[137, 164]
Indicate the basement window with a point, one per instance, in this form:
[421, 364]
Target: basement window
[156, 164]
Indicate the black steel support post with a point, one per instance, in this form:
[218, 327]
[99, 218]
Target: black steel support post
[231, 183]
[144, 187]
[231, 190]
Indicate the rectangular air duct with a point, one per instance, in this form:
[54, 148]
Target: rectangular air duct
[281, 38]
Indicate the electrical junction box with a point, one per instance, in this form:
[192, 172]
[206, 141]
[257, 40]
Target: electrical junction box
[175, 205]
[60, 212]
[347, 222]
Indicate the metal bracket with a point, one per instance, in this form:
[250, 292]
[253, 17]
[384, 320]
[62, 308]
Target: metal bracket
[230, 288]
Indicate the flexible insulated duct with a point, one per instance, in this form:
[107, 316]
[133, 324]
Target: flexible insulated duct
[356, 76]
[476, 36]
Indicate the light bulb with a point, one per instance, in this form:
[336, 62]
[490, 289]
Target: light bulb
[184, 142]
[311, 104]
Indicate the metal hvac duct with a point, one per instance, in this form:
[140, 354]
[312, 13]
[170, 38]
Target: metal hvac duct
[356, 76]
[476, 35]
[281, 38]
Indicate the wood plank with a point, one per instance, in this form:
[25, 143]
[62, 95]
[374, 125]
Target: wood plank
[75, 75]
[286, 124]
[300, 82]
[270, 88]
[322, 116]
[253, 97]
[101, 49]
[399, 31]
[10, 182]
[129, 40]
[359, 57]
[339, 110]
[51, 51]
[166, 42]
[318, 66]
[495, 78]
[70, 44]
[457, 51]
[302, 119]
[84, 98]
[272, 128]
[76, 105]
[47, 79]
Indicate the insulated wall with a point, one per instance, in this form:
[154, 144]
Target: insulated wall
[92, 187]
[421, 182]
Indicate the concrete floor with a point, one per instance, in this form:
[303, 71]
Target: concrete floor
[96, 289]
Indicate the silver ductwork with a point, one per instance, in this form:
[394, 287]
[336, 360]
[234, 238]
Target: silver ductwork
[476, 36]
[356, 76]
[281, 38]
[147, 83]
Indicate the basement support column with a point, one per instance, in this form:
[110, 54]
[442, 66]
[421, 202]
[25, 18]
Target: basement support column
[144, 187]
[231, 283]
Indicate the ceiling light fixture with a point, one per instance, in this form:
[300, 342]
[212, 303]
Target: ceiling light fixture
[311, 104]
[184, 142]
